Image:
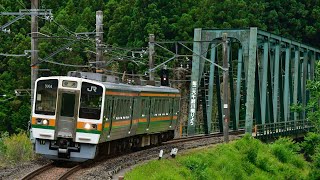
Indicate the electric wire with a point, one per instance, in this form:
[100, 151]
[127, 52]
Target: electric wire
[13, 55]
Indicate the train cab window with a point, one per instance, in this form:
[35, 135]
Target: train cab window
[90, 101]
[46, 96]
[67, 105]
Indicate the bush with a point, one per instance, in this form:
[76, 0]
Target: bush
[311, 141]
[16, 148]
[249, 147]
[2, 146]
[284, 149]
[315, 173]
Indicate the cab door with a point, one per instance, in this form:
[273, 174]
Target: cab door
[67, 113]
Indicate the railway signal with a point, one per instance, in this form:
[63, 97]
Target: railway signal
[164, 77]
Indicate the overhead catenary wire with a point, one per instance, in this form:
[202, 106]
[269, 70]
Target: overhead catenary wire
[121, 55]
[64, 64]
[13, 55]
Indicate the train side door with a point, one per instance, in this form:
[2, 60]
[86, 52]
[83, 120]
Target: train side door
[149, 108]
[108, 114]
[67, 113]
[133, 112]
[170, 105]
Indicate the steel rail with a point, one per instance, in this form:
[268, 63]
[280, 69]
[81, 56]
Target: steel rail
[38, 171]
[71, 171]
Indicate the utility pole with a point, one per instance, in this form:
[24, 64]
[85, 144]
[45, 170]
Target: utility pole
[34, 46]
[34, 13]
[99, 39]
[151, 56]
[226, 109]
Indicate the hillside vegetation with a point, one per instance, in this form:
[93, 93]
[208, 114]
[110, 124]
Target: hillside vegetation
[247, 158]
[127, 24]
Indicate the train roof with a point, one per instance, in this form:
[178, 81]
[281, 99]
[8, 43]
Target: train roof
[138, 88]
[120, 86]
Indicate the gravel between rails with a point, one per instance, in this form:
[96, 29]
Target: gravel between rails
[110, 168]
[53, 173]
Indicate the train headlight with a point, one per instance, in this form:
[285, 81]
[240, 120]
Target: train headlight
[45, 122]
[42, 121]
[90, 126]
[87, 126]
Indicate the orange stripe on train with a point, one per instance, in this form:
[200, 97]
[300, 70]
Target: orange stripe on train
[52, 122]
[80, 125]
[121, 93]
[161, 95]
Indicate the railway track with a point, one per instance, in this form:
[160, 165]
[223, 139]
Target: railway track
[186, 139]
[38, 171]
[65, 172]
[53, 171]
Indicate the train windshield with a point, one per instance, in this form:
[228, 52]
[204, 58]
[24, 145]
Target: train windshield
[46, 95]
[90, 101]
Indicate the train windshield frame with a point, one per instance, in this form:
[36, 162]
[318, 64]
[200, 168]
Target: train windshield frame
[46, 97]
[90, 101]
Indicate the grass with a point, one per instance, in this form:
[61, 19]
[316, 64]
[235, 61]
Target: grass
[15, 149]
[247, 158]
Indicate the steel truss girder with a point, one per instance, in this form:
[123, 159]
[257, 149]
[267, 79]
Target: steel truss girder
[275, 73]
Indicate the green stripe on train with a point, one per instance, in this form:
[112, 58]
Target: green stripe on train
[42, 126]
[89, 131]
[155, 122]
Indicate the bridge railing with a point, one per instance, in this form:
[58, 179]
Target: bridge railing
[281, 128]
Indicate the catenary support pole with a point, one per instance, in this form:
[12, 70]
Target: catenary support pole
[99, 39]
[34, 47]
[226, 105]
[151, 56]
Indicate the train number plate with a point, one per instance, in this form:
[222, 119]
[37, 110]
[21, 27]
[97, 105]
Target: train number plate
[42, 142]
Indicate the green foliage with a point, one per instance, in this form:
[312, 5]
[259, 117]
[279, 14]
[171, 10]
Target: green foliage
[15, 149]
[315, 173]
[310, 143]
[286, 151]
[127, 23]
[175, 172]
[247, 158]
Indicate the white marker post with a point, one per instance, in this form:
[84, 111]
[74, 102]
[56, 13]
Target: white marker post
[160, 154]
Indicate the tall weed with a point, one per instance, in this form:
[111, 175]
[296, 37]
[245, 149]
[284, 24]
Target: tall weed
[16, 148]
[284, 149]
[315, 173]
[311, 141]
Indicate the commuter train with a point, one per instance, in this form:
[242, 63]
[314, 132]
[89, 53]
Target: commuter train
[76, 116]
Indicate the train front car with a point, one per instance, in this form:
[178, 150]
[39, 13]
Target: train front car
[67, 117]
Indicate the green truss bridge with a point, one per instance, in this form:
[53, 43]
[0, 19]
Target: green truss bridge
[267, 75]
